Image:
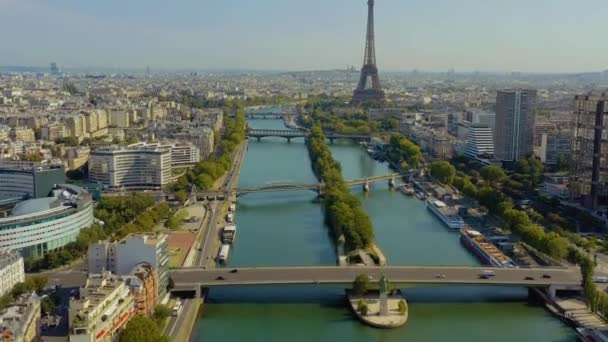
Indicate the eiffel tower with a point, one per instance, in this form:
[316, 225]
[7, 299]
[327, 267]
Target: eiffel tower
[369, 71]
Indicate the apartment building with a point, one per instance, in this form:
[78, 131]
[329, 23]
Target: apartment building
[102, 311]
[514, 133]
[139, 166]
[589, 166]
[124, 256]
[11, 271]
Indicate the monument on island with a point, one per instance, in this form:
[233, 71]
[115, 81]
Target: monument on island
[383, 296]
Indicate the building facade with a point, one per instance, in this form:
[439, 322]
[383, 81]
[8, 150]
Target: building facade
[37, 226]
[123, 256]
[20, 321]
[480, 143]
[20, 179]
[590, 113]
[11, 271]
[514, 133]
[104, 307]
[23, 134]
[143, 283]
[137, 166]
[184, 154]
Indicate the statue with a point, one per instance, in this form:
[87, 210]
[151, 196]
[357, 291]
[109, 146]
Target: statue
[383, 296]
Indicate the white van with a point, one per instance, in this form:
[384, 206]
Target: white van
[601, 279]
[487, 273]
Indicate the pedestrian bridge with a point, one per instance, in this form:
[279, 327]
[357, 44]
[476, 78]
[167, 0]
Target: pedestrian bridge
[290, 134]
[552, 279]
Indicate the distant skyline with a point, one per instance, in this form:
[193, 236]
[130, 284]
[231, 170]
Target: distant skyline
[433, 35]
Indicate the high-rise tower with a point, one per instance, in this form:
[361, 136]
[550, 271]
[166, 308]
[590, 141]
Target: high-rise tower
[514, 127]
[369, 88]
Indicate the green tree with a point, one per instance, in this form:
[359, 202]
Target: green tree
[361, 284]
[362, 307]
[142, 329]
[181, 196]
[493, 174]
[19, 289]
[173, 222]
[402, 307]
[47, 305]
[161, 313]
[443, 171]
[36, 283]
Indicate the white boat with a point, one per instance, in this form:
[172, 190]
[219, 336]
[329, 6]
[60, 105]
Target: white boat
[232, 207]
[407, 189]
[230, 218]
[448, 215]
[229, 234]
[224, 251]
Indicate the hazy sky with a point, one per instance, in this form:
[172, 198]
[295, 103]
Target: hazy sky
[467, 35]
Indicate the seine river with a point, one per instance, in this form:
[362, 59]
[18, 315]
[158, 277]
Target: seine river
[286, 229]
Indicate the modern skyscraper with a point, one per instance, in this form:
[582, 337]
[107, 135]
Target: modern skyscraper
[589, 166]
[53, 68]
[369, 71]
[514, 128]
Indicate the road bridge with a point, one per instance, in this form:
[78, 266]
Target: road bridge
[291, 134]
[551, 279]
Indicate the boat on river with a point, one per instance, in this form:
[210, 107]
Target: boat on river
[487, 253]
[407, 189]
[448, 215]
[229, 234]
[223, 255]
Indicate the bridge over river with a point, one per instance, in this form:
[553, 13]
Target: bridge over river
[290, 134]
[316, 187]
[552, 279]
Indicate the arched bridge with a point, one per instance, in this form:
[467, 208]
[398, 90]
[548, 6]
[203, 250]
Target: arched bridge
[316, 187]
[290, 134]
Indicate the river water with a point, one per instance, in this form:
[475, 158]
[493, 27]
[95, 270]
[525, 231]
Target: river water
[286, 229]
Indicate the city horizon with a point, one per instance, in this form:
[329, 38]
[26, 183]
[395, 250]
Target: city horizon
[432, 36]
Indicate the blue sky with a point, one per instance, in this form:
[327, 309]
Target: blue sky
[467, 35]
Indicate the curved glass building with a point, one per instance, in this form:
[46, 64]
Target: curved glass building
[39, 225]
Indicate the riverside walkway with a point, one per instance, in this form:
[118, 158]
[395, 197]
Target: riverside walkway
[192, 279]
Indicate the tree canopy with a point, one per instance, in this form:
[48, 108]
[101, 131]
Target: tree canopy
[443, 171]
[362, 284]
[343, 211]
[142, 329]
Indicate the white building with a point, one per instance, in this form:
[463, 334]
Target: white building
[480, 143]
[103, 310]
[137, 166]
[122, 256]
[37, 226]
[11, 271]
[184, 154]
